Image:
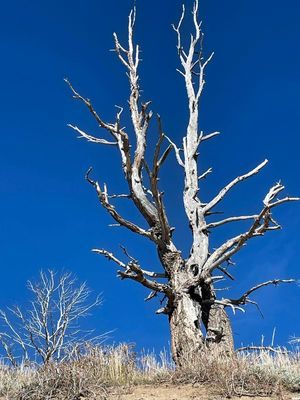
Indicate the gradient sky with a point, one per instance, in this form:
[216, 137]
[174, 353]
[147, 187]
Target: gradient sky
[49, 216]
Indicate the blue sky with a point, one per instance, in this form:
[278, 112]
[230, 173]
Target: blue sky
[49, 215]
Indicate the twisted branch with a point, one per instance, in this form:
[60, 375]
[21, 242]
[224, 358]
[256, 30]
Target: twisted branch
[244, 299]
[132, 270]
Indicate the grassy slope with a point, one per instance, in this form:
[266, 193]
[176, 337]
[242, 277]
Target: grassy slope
[117, 373]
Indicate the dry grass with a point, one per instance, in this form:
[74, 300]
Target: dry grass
[97, 371]
[90, 374]
[260, 373]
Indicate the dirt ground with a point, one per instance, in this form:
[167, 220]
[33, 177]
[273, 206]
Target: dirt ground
[186, 392]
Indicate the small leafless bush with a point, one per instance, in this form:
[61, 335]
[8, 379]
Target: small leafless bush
[47, 330]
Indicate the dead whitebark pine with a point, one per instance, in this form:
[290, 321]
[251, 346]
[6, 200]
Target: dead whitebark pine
[197, 317]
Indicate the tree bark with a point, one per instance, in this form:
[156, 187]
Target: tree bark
[188, 340]
[186, 336]
[216, 323]
[195, 322]
[218, 330]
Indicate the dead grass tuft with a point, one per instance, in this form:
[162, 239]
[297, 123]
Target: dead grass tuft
[259, 373]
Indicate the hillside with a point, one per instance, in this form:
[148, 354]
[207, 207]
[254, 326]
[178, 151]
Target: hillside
[118, 373]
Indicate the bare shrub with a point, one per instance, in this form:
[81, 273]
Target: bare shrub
[49, 327]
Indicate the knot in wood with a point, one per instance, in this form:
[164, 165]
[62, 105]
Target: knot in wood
[172, 259]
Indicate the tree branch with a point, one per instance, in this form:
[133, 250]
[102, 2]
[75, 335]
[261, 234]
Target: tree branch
[177, 151]
[193, 70]
[140, 117]
[103, 198]
[262, 348]
[209, 136]
[132, 270]
[230, 185]
[180, 50]
[230, 219]
[244, 299]
[114, 129]
[157, 195]
[262, 223]
[91, 138]
[105, 125]
[205, 174]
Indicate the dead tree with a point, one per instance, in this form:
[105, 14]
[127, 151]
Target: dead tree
[49, 328]
[187, 285]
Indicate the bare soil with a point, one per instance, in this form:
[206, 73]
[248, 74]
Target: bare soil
[187, 392]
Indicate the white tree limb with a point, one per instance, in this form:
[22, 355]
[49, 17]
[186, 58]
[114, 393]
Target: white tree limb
[177, 151]
[262, 223]
[230, 219]
[209, 136]
[193, 69]
[103, 198]
[177, 28]
[230, 185]
[140, 117]
[105, 125]
[91, 138]
[205, 174]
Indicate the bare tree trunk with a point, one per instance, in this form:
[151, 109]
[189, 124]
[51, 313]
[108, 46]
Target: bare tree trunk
[186, 336]
[194, 321]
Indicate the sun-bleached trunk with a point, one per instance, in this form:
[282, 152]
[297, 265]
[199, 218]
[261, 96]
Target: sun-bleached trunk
[187, 337]
[194, 322]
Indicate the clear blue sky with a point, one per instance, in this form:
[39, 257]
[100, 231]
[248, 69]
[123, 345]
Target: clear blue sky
[49, 215]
